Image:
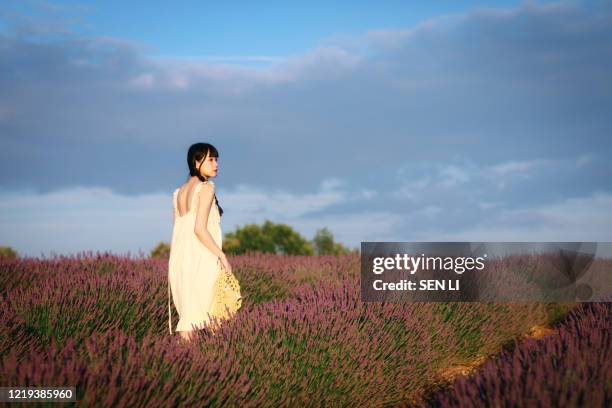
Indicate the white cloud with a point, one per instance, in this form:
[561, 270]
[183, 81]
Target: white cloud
[352, 228]
[509, 167]
[431, 210]
[488, 205]
[574, 219]
[220, 58]
[368, 194]
[420, 177]
[331, 183]
[71, 220]
[584, 160]
[144, 81]
[503, 173]
[411, 189]
[218, 73]
[453, 175]
[395, 38]
[467, 92]
[250, 203]
[81, 218]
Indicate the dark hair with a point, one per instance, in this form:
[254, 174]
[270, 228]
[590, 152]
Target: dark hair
[197, 152]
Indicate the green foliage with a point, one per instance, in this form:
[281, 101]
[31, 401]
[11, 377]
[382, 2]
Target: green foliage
[162, 250]
[268, 238]
[231, 244]
[324, 244]
[8, 252]
[271, 238]
[286, 240]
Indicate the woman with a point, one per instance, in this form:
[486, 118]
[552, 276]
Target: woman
[195, 250]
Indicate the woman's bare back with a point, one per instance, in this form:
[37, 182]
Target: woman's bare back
[185, 196]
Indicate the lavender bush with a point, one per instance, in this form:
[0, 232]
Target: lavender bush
[303, 336]
[572, 368]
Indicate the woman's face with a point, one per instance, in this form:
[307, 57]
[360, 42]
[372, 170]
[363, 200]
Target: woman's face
[208, 166]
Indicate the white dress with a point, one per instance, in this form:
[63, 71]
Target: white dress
[192, 267]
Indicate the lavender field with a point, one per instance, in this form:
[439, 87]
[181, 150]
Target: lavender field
[303, 338]
[570, 368]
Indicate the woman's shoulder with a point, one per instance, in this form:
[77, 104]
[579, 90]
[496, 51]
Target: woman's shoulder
[202, 186]
[205, 186]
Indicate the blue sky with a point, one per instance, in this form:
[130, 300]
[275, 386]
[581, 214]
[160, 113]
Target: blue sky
[233, 29]
[383, 121]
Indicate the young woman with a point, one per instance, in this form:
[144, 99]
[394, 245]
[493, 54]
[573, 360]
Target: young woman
[195, 250]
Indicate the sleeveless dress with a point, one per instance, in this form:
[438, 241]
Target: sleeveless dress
[192, 267]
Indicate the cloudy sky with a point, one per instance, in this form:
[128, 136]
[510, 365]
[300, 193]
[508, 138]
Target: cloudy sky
[383, 121]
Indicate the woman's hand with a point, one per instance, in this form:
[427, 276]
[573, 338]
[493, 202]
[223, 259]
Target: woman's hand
[225, 264]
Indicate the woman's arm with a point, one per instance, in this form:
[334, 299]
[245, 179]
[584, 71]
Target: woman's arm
[206, 195]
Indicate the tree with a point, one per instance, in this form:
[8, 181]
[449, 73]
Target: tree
[8, 252]
[286, 240]
[271, 238]
[162, 250]
[231, 245]
[324, 244]
[268, 238]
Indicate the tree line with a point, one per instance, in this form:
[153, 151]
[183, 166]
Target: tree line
[268, 238]
[272, 238]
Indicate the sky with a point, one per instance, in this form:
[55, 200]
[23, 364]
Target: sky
[382, 121]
